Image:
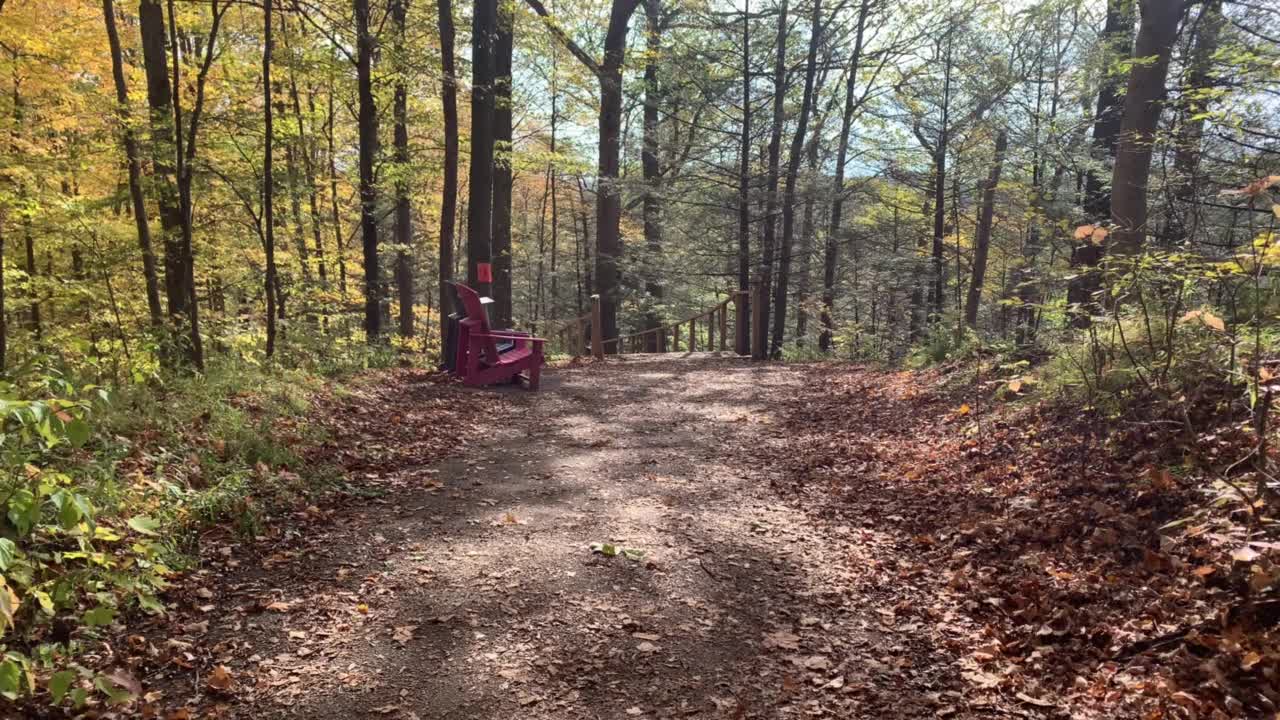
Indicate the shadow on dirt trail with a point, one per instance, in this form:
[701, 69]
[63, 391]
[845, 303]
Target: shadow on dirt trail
[467, 589]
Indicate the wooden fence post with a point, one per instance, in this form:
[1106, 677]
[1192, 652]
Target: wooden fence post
[724, 326]
[711, 329]
[741, 329]
[597, 341]
[693, 334]
[757, 321]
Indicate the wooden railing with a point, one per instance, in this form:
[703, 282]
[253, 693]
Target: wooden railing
[581, 335]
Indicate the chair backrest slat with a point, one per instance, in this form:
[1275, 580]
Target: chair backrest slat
[475, 311]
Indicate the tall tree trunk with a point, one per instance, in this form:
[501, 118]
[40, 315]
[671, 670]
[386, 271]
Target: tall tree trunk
[915, 327]
[652, 176]
[480, 180]
[794, 157]
[742, 332]
[160, 100]
[33, 273]
[449, 196]
[309, 153]
[502, 264]
[367, 123]
[831, 249]
[769, 239]
[937, 275]
[185, 158]
[552, 178]
[982, 236]
[292, 149]
[1142, 104]
[339, 242]
[1117, 39]
[404, 216]
[134, 160]
[804, 274]
[608, 195]
[268, 181]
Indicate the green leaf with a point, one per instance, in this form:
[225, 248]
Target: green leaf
[10, 679]
[115, 693]
[99, 616]
[143, 524]
[78, 432]
[45, 600]
[150, 603]
[59, 683]
[8, 550]
[8, 605]
[68, 510]
[24, 511]
[79, 696]
[604, 549]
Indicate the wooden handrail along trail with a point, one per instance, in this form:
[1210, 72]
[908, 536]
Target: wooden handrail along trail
[573, 338]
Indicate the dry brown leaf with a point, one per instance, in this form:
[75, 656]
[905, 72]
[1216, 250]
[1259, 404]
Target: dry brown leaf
[783, 640]
[220, 678]
[403, 633]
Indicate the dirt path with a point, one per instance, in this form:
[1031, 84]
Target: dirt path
[469, 589]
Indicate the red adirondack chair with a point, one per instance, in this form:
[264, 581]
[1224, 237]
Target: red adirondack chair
[479, 362]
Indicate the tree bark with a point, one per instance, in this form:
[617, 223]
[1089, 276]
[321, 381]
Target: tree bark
[831, 249]
[480, 180]
[794, 157]
[404, 214]
[133, 158]
[804, 274]
[652, 176]
[339, 243]
[185, 154]
[742, 332]
[769, 238]
[982, 236]
[33, 310]
[309, 153]
[937, 275]
[449, 195]
[367, 122]
[552, 178]
[268, 181]
[160, 100]
[608, 196]
[1156, 35]
[292, 149]
[502, 259]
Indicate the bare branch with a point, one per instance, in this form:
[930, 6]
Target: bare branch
[563, 37]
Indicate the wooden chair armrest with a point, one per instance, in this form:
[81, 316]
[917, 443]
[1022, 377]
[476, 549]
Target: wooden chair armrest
[508, 336]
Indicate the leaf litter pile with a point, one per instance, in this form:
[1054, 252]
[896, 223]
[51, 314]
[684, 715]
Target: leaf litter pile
[1062, 568]
[706, 538]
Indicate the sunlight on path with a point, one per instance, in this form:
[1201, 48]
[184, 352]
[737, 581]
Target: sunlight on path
[475, 594]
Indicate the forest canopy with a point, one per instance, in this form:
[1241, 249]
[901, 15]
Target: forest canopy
[187, 178]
